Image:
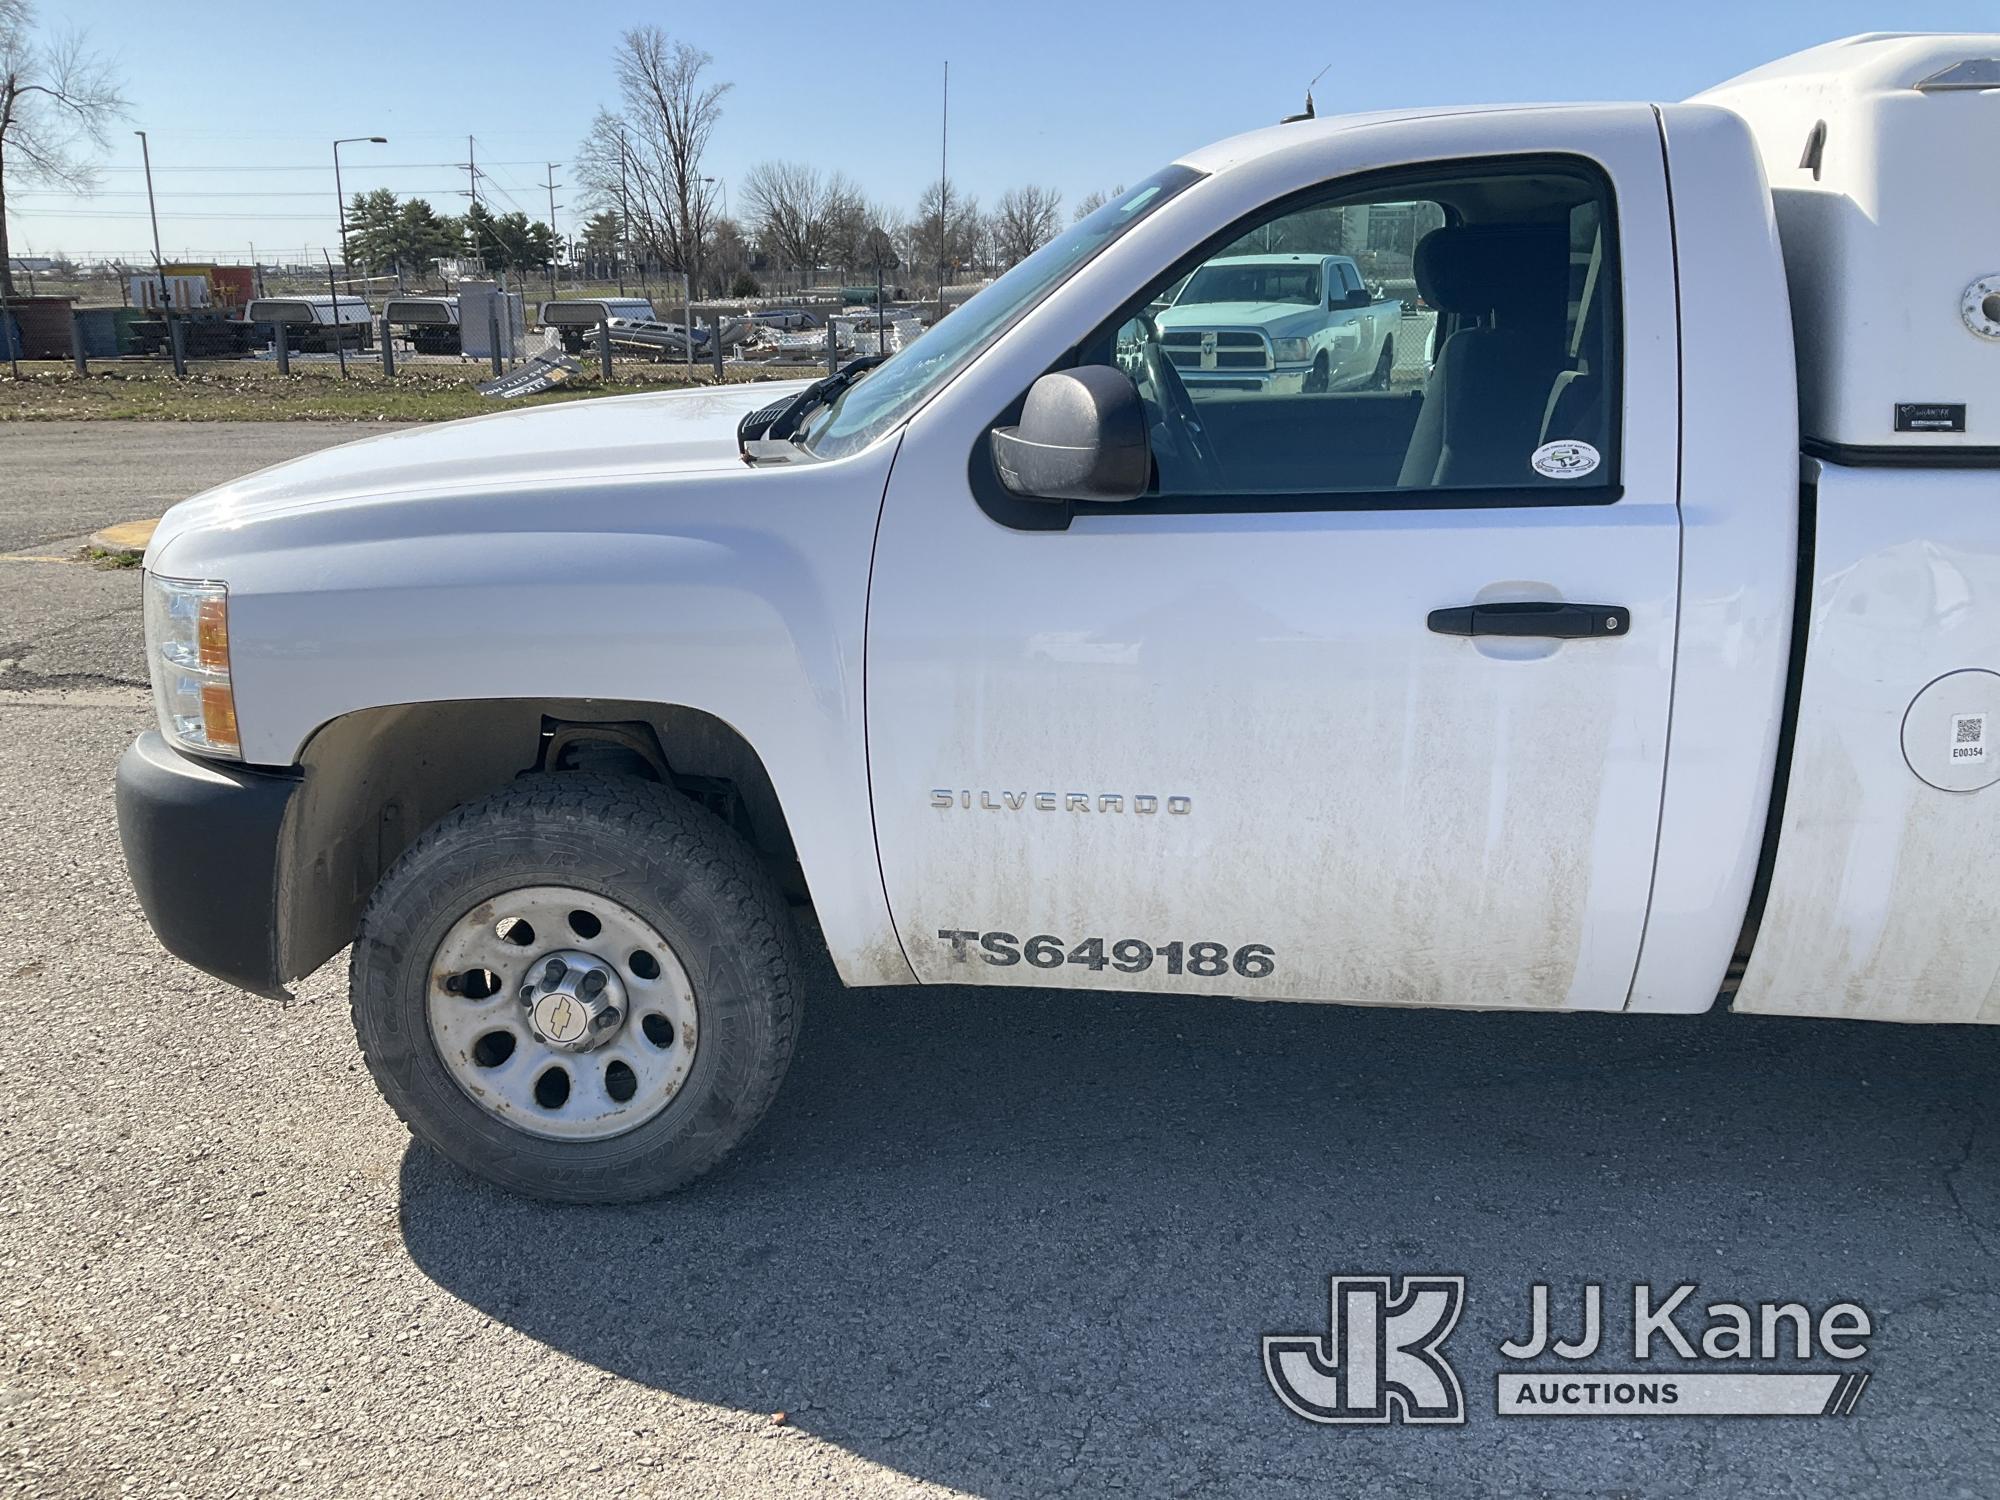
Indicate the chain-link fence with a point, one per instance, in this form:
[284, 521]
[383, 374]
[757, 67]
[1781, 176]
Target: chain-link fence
[637, 333]
[194, 315]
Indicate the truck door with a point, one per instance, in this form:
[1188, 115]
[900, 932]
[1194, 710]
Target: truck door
[1351, 353]
[1367, 698]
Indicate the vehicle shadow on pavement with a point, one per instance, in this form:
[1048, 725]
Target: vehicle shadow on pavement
[1015, 1241]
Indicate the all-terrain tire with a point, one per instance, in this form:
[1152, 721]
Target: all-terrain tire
[672, 863]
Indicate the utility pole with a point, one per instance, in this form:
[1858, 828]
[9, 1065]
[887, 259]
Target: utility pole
[554, 239]
[472, 187]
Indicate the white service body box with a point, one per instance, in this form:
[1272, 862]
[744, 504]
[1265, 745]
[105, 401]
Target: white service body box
[1881, 152]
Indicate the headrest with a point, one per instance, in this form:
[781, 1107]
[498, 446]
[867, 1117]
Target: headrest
[1518, 270]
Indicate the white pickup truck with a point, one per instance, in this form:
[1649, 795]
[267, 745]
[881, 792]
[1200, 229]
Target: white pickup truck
[1646, 655]
[1268, 323]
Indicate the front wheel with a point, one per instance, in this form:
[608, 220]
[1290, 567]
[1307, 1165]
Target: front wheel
[1320, 377]
[581, 988]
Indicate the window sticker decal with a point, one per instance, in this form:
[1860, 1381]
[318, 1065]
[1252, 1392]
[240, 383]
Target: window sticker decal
[1564, 459]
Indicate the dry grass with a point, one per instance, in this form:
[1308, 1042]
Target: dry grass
[247, 391]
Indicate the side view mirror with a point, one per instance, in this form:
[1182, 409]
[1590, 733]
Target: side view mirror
[1359, 297]
[1082, 436]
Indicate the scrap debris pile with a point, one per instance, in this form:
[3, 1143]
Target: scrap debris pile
[855, 333]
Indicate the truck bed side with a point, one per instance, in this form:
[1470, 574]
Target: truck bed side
[1882, 904]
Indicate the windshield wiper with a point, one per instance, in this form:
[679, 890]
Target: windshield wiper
[773, 431]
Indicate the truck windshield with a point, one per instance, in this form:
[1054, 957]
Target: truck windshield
[1219, 281]
[870, 407]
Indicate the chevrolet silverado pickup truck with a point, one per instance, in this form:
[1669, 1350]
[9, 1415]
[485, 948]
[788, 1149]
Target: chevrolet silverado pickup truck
[1280, 323]
[1647, 658]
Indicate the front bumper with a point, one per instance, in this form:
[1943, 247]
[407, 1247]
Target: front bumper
[203, 845]
[1284, 380]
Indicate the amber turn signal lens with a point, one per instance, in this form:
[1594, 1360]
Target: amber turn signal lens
[212, 633]
[218, 717]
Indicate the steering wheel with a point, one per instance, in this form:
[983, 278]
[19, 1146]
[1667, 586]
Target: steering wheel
[1178, 417]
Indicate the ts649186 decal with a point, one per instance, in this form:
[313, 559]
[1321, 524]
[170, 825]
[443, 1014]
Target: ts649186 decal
[1127, 955]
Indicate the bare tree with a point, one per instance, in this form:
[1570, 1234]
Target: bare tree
[57, 99]
[945, 236]
[1026, 220]
[802, 217]
[863, 234]
[1093, 200]
[727, 258]
[647, 155]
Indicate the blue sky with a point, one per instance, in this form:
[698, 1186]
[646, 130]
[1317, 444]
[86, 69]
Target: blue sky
[1074, 95]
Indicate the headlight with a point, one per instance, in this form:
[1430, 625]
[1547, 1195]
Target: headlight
[1291, 351]
[187, 654]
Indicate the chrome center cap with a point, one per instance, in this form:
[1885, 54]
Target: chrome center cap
[575, 1000]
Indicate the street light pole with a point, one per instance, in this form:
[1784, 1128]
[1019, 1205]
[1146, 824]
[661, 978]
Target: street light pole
[159, 268]
[687, 286]
[944, 189]
[146, 151]
[340, 198]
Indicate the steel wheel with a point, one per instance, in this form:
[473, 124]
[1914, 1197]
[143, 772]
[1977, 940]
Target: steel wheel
[562, 1013]
[655, 1047]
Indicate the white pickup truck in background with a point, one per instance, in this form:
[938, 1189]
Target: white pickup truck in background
[1646, 655]
[1271, 323]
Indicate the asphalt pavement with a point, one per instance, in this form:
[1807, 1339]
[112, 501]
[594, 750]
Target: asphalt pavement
[1002, 1243]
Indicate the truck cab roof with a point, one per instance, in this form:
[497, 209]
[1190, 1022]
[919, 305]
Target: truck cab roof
[1297, 258]
[1240, 150]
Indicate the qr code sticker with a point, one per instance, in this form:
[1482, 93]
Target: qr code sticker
[1968, 737]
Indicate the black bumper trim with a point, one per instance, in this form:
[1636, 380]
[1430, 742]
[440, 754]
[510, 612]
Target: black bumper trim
[202, 842]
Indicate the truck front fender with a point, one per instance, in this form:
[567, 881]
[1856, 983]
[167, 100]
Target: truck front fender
[741, 595]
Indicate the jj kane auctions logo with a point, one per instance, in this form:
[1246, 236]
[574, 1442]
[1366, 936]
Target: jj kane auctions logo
[1382, 1358]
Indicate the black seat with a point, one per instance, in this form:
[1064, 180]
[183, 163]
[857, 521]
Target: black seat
[1489, 391]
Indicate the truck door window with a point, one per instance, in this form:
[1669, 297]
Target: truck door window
[1446, 340]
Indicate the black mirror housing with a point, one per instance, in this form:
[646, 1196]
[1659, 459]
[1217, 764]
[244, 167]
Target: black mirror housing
[1082, 436]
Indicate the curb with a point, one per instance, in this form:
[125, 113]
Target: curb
[125, 541]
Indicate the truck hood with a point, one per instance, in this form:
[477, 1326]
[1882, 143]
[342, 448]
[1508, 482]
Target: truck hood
[656, 433]
[1233, 314]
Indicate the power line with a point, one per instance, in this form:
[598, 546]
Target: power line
[513, 202]
[391, 166]
[14, 193]
[270, 255]
[191, 213]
